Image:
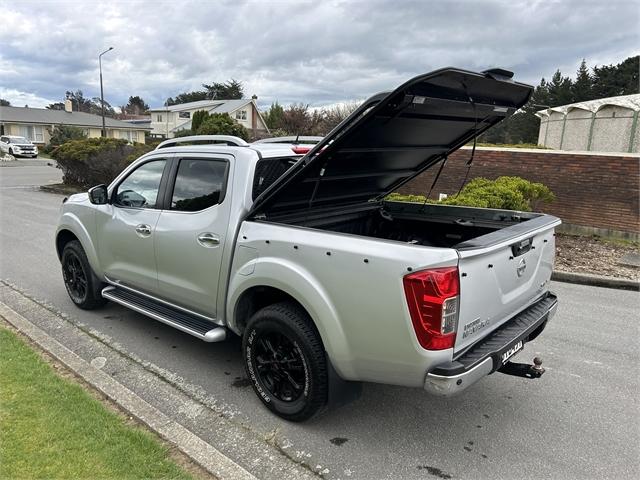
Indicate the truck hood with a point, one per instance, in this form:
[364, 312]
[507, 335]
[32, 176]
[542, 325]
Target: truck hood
[393, 137]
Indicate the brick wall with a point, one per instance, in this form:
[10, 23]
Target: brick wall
[592, 190]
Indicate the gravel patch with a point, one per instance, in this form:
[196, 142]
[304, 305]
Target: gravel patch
[594, 255]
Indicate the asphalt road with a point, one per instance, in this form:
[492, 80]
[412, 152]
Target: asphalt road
[581, 420]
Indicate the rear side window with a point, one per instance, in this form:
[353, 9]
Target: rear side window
[199, 184]
[268, 170]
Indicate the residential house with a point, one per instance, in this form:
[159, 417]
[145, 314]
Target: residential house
[35, 124]
[167, 121]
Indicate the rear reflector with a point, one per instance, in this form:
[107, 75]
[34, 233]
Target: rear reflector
[432, 297]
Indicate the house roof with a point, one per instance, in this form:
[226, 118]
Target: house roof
[221, 106]
[631, 102]
[214, 106]
[61, 117]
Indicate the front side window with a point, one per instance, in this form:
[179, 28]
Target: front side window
[241, 115]
[184, 115]
[199, 184]
[140, 188]
[159, 118]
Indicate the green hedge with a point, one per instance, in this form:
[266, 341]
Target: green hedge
[93, 161]
[508, 193]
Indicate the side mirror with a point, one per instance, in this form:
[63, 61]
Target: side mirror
[99, 195]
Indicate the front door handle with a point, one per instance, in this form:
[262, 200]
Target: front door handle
[143, 230]
[208, 240]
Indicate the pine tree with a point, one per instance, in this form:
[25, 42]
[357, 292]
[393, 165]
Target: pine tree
[582, 88]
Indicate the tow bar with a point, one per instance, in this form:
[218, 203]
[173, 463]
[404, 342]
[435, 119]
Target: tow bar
[523, 369]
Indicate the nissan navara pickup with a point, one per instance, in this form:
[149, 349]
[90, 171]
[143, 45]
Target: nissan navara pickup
[295, 249]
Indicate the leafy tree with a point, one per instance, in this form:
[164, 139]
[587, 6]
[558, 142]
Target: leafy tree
[229, 90]
[274, 116]
[187, 97]
[4, 103]
[222, 124]
[135, 106]
[620, 79]
[582, 87]
[55, 106]
[197, 119]
[332, 116]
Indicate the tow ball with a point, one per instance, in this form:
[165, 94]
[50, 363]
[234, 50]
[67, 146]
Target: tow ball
[523, 369]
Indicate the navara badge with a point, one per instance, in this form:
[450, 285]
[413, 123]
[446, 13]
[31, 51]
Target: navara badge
[522, 266]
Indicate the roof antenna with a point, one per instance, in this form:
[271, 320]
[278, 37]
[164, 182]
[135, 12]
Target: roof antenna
[475, 138]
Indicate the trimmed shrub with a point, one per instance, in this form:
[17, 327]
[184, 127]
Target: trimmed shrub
[183, 133]
[93, 161]
[508, 193]
[61, 134]
[222, 124]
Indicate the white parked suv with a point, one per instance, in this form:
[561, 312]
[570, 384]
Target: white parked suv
[328, 283]
[17, 146]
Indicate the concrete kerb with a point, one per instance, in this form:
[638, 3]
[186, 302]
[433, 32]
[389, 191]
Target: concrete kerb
[201, 452]
[596, 280]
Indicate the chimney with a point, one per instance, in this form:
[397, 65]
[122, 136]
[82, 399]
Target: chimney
[68, 106]
[254, 115]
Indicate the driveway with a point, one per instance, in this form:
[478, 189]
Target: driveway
[580, 420]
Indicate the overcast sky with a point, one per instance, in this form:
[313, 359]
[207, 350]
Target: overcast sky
[311, 52]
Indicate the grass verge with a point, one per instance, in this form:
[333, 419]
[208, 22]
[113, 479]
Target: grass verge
[52, 428]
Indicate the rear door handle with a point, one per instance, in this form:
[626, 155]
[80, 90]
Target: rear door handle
[208, 240]
[143, 230]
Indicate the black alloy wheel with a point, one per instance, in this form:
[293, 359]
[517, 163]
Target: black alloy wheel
[83, 287]
[285, 361]
[280, 366]
[75, 278]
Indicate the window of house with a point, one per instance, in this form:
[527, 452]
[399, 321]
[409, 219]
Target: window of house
[33, 133]
[241, 115]
[184, 114]
[159, 118]
[199, 184]
[140, 188]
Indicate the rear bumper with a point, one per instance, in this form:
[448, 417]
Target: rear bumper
[485, 357]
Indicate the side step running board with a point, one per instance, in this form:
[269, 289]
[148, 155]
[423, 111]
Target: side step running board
[163, 313]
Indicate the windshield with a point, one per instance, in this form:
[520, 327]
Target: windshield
[18, 140]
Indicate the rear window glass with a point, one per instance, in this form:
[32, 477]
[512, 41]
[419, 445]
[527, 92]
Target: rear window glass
[199, 184]
[268, 170]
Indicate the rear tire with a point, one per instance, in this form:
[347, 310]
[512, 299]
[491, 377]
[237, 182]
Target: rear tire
[83, 287]
[285, 361]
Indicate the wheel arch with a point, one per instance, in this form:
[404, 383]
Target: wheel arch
[72, 229]
[279, 282]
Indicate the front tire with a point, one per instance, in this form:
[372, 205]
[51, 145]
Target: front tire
[81, 283]
[285, 361]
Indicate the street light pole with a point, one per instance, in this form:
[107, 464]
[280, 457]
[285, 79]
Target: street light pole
[104, 128]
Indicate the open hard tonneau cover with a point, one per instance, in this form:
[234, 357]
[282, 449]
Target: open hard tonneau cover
[395, 136]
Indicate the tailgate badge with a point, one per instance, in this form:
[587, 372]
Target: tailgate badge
[522, 266]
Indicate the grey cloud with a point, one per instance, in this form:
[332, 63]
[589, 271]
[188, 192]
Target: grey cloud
[311, 52]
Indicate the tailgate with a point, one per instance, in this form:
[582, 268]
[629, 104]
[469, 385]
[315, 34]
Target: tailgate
[501, 274]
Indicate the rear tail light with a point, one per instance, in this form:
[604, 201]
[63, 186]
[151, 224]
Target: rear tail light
[432, 297]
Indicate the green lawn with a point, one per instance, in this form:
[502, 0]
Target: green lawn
[52, 428]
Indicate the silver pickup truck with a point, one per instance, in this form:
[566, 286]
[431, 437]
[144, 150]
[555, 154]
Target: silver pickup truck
[295, 249]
